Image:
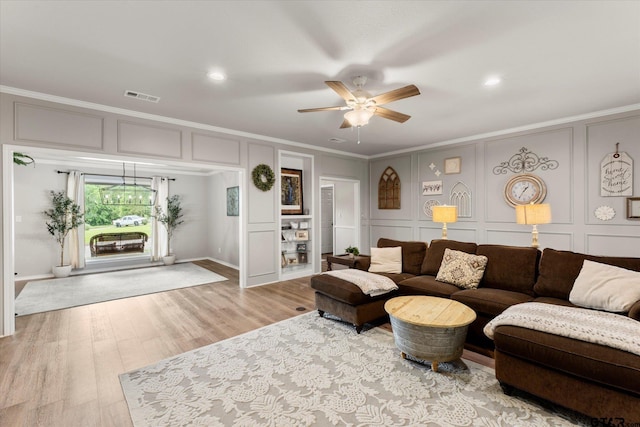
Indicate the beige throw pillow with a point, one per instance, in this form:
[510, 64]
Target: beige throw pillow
[386, 260]
[605, 287]
[461, 269]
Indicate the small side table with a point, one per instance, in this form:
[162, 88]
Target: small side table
[343, 260]
[429, 328]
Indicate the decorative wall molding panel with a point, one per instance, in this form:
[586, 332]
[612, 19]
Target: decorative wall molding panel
[212, 149]
[34, 123]
[142, 139]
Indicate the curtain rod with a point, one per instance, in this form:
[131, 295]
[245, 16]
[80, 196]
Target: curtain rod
[116, 176]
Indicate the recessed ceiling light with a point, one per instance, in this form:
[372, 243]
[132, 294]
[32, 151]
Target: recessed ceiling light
[216, 75]
[492, 81]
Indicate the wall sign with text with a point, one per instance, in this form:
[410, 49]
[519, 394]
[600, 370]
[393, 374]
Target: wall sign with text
[616, 175]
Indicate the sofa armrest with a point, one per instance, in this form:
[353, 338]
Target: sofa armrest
[634, 312]
[362, 262]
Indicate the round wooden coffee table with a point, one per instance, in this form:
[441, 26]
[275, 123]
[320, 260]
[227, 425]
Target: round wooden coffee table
[429, 328]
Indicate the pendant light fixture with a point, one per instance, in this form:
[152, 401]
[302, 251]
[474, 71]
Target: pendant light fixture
[128, 194]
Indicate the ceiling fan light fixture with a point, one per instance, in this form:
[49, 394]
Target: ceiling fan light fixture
[359, 117]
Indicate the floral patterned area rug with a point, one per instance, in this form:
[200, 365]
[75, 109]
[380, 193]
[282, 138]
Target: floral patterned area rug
[313, 371]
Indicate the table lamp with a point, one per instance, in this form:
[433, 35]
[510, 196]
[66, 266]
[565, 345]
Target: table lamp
[445, 214]
[533, 214]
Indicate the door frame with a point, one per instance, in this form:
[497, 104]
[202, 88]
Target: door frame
[8, 228]
[356, 208]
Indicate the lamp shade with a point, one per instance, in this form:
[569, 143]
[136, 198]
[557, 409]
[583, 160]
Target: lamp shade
[444, 213]
[533, 214]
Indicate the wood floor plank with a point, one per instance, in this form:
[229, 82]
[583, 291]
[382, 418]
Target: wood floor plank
[61, 368]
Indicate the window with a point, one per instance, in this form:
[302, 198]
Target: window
[113, 228]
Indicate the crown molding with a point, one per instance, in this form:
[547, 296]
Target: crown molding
[164, 119]
[132, 113]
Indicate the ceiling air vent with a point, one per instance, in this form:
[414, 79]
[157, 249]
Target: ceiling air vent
[337, 140]
[141, 96]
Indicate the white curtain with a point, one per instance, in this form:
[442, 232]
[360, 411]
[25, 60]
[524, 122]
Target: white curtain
[75, 191]
[160, 244]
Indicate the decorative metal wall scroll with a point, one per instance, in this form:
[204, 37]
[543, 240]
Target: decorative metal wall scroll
[525, 161]
[616, 174]
[389, 190]
[460, 196]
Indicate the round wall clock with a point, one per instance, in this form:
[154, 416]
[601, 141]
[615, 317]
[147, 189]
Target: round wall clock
[524, 189]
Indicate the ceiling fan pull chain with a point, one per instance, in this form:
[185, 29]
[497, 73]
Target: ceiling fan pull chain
[358, 127]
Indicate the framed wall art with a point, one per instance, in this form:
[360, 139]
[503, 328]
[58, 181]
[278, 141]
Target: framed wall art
[302, 235]
[452, 165]
[233, 203]
[291, 191]
[430, 188]
[633, 207]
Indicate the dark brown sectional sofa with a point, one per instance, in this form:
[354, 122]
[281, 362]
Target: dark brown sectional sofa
[593, 379]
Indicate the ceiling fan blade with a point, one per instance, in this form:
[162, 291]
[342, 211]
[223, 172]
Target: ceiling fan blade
[394, 95]
[345, 124]
[341, 90]
[391, 115]
[310, 110]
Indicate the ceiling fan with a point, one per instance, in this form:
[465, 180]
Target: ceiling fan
[362, 105]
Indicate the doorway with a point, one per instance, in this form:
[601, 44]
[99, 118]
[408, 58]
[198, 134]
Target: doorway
[326, 219]
[20, 209]
[339, 214]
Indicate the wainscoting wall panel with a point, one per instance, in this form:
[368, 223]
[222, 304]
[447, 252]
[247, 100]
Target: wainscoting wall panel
[262, 262]
[207, 148]
[35, 123]
[156, 141]
[390, 232]
[613, 245]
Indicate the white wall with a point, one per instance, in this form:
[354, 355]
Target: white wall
[36, 250]
[224, 242]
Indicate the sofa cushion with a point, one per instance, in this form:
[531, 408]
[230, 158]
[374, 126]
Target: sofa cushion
[426, 285]
[386, 260]
[397, 277]
[490, 301]
[559, 270]
[342, 290]
[512, 268]
[433, 259]
[413, 253]
[592, 362]
[605, 287]
[461, 269]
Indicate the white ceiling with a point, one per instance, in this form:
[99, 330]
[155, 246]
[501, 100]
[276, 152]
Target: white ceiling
[557, 59]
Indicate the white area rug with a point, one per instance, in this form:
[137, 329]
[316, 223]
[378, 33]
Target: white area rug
[315, 371]
[55, 294]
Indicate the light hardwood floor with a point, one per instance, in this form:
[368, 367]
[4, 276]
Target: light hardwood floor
[61, 368]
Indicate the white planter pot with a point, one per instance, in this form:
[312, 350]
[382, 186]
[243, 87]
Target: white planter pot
[63, 271]
[169, 259]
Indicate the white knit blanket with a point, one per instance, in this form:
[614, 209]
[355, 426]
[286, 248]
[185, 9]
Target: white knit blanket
[370, 283]
[598, 327]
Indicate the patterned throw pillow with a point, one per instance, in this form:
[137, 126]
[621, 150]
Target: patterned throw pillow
[461, 269]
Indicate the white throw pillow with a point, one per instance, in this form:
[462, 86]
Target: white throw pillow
[386, 260]
[605, 287]
[461, 269]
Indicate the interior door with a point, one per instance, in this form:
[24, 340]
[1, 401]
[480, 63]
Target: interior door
[326, 222]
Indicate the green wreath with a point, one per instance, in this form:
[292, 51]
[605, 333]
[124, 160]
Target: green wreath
[263, 177]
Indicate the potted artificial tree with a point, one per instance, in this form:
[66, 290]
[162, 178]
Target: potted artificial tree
[171, 219]
[63, 216]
